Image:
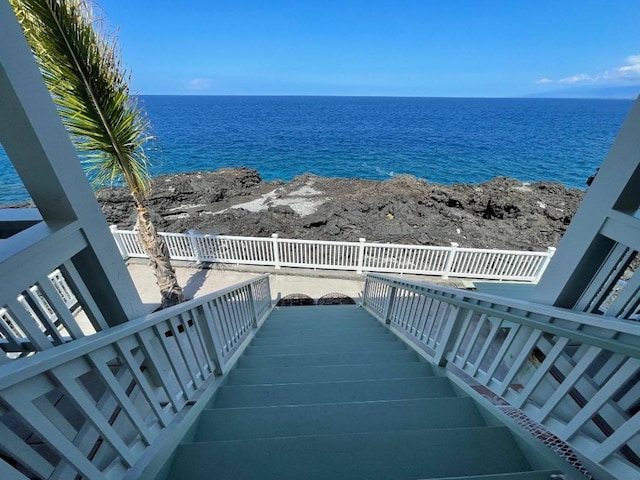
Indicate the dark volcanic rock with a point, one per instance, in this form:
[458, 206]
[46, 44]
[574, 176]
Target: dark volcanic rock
[500, 213]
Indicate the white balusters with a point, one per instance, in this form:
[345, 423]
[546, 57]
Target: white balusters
[453, 261]
[576, 374]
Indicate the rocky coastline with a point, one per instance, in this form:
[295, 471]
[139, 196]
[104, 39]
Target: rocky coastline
[501, 213]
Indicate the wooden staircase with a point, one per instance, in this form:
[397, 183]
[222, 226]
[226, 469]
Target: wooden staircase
[330, 393]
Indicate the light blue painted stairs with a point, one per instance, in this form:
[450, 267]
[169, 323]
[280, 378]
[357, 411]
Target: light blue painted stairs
[329, 393]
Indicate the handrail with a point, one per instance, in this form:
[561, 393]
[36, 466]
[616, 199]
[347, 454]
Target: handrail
[574, 374]
[39, 311]
[451, 261]
[43, 288]
[602, 333]
[127, 384]
[14, 372]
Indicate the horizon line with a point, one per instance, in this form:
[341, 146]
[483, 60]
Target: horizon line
[521, 97]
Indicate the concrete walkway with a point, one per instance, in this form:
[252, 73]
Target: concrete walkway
[198, 281]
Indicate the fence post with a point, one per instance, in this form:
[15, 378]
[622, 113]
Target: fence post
[118, 239]
[545, 263]
[389, 304]
[360, 255]
[450, 258]
[193, 240]
[276, 250]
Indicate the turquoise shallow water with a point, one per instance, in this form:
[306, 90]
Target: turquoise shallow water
[446, 140]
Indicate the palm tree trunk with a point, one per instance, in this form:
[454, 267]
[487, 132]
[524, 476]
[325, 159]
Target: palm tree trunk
[158, 254]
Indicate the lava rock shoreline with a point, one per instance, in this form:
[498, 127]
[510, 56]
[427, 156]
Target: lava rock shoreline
[501, 213]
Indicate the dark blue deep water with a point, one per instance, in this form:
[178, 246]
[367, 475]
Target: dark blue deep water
[446, 140]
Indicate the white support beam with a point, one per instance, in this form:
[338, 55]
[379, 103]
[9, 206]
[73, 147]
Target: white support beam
[39, 147]
[583, 248]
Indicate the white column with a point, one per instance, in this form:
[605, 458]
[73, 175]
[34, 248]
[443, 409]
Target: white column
[39, 147]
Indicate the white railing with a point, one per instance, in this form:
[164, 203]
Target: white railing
[577, 375]
[62, 287]
[44, 315]
[41, 327]
[94, 406]
[45, 301]
[452, 261]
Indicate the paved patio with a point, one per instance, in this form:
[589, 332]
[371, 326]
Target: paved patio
[201, 280]
[198, 281]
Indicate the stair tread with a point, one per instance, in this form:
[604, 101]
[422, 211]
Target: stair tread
[353, 331]
[329, 322]
[381, 336]
[531, 475]
[331, 392]
[326, 373]
[323, 348]
[284, 421]
[306, 311]
[371, 455]
[337, 358]
[324, 319]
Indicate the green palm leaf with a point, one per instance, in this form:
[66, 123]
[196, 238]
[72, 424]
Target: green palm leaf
[82, 69]
[88, 84]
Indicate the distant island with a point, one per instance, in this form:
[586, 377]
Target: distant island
[626, 92]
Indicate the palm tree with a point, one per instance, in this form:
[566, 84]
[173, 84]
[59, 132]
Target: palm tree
[82, 68]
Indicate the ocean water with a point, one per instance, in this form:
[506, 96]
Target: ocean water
[445, 140]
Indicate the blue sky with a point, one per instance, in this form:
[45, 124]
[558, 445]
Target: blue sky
[451, 48]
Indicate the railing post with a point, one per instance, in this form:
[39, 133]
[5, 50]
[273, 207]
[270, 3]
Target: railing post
[193, 240]
[391, 295]
[212, 339]
[450, 258]
[360, 255]
[252, 306]
[116, 237]
[545, 263]
[449, 335]
[276, 250]
[365, 291]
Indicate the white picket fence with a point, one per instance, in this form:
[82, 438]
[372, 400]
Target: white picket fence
[451, 261]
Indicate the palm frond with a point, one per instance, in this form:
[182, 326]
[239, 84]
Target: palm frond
[81, 66]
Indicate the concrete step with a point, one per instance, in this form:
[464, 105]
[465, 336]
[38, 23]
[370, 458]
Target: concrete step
[328, 373]
[344, 337]
[302, 320]
[229, 396]
[322, 313]
[302, 420]
[318, 328]
[329, 393]
[372, 456]
[338, 358]
[533, 475]
[323, 348]
[359, 332]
